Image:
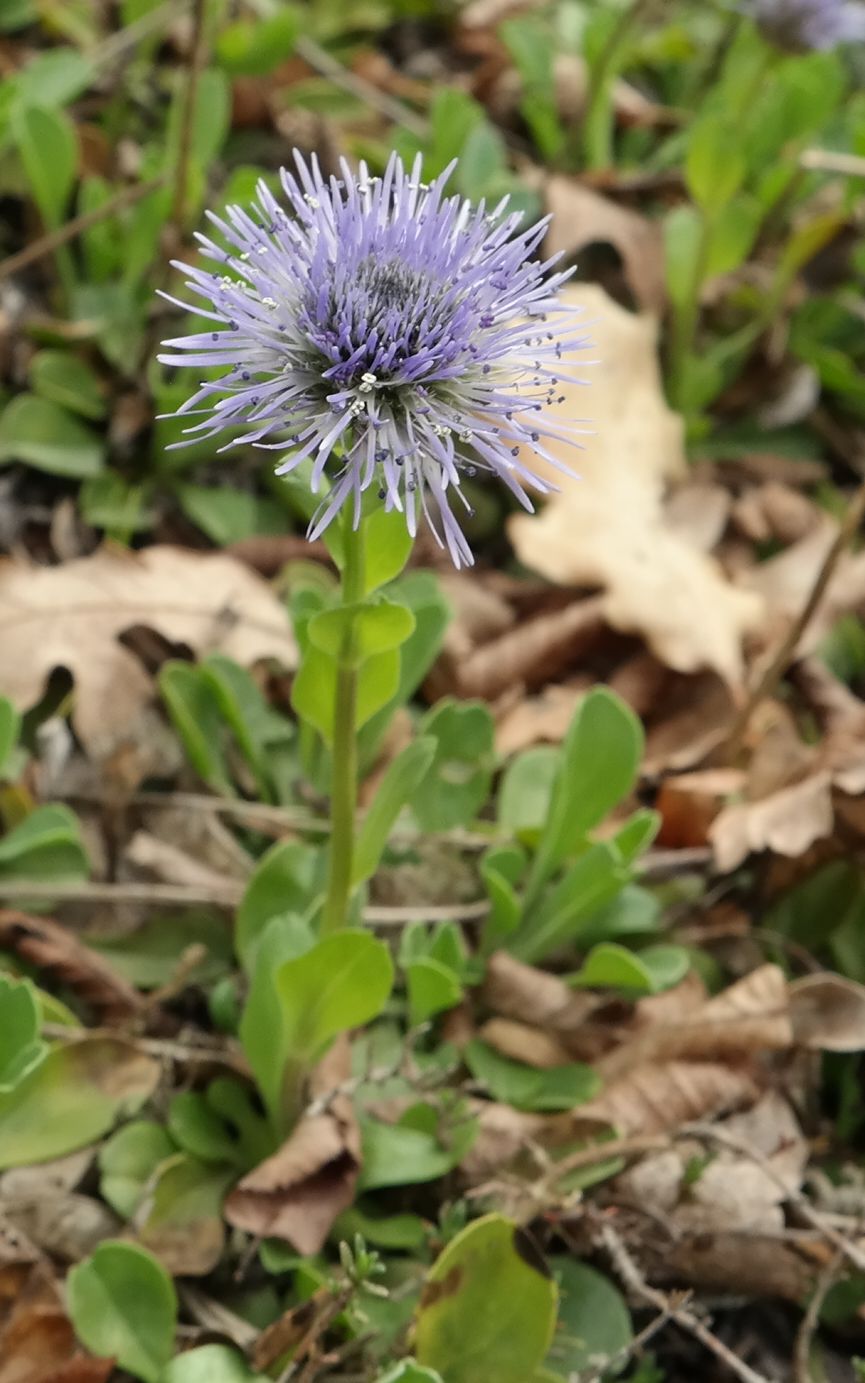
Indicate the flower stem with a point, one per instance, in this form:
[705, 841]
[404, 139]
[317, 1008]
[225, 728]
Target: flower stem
[343, 791]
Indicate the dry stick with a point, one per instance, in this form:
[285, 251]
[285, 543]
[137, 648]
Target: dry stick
[686, 1320]
[387, 105]
[47, 244]
[711, 1134]
[779, 664]
[227, 895]
[187, 118]
[805, 1334]
[829, 161]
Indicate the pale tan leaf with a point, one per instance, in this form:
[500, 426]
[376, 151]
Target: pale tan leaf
[608, 527]
[787, 822]
[828, 1013]
[582, 217]
[72, 617]
[525, 994]
[660, 1096]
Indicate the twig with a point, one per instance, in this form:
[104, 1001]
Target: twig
[165, 1049]
[227, 896]
[712, 1134]
[787, 649]
[829, 161]
[328, 66]
[47, 244]
[686, 1320]
[810, 1320]
[187, 117]
[613, 1366]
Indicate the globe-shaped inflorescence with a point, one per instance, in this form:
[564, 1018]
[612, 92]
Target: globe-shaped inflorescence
[399, 338]
[805, 26]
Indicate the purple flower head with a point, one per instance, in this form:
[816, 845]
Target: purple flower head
[805, 26]
[398, 337]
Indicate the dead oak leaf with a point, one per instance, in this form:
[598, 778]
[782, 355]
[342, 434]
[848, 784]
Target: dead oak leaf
[608, 527]
[582, 217]
[72, 616]
[663, 1095]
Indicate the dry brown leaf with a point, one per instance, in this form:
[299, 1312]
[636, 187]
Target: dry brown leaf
[828, 1013]
[689, 802]
[788, 822]
[744, 1264]
[748, 1017]
[65, 1224]
[693, 719]
[150, 857]
[56, 950]
[608, 527]
[537, 651]
[664, 1095]
[298, 1192]
[524, 1043]
[504, 1133]
[37, 1342]
[674, 1005]
[581, 217]
[698, 512]
[525, 994]
[542, 719]
[72, 616]
[775, 511]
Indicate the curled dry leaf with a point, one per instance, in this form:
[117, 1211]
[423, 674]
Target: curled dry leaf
[582, 217]
[534, 997]
[72, 616]
[662, 1095]
[745, 1264]
[298, 1192]
[689, 803]
[57, 951]
[535, 652]
[788, 822]
[828, 1013]
[608, 527]
[748, 1017]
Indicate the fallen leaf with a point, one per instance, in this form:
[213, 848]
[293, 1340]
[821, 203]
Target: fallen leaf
[298, 1192]
[775, 511]
[524, 1043]
[56, 950]
[65, 1224]
[744, 1264]
[663, 1095]
[828, 1013]
[788, 822]
[542, 719]
[582, 217]
[608, 527]
[291, 1328]
[695, 717]
[72, 616]
[150, 857]
[698, 512]
[537, 651]
[37, 1342]
[528, 995]
[689, 802]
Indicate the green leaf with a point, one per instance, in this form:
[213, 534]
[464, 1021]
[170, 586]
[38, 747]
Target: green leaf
[283, 882]
[526, 788]
[48, 147]
[149, 957]
[489, 1306]
[404, 1154]
[594, 1321]
[185, 1212]
[256, 47]
[53, 77]
[459, 779]
[592, 881]
[258, 730]
[598, 767]
[432, 988]
[210, 1364]
[197, 1128]
[20, 1022]
[10, 728]
[637, 834]
[609, 966]
[683, 233]
[387, 547]
[66, 380]
[714, 166]
[384, 1231]
[44, 435]
[360, 632]
[71, 1098]
[228, 515]
[196, 717]
[500, 868]
[128, 1161]
[733, 232]
[340, 983]
[313, 693]
[123, 1306]
[525, 1087]
[402, 778]
[108, 501]
[47, 846]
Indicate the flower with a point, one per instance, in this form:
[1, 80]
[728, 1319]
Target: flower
[804, 26]
[398, 337]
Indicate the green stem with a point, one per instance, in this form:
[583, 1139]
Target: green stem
[597, 126]
[686, 318]
[343, 792]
